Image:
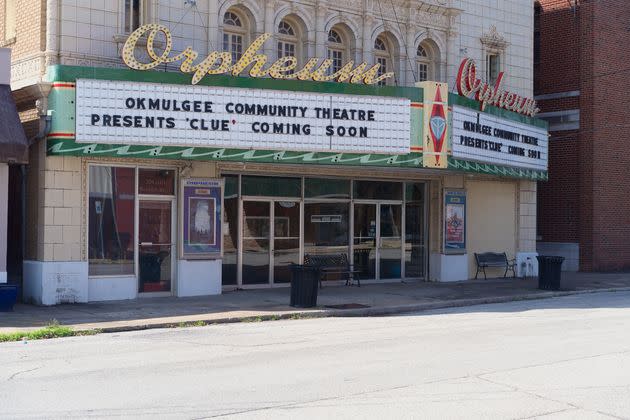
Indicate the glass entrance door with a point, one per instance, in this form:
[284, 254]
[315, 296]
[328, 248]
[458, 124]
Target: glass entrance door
[390, 241]
[378, 240]
[271, 241]
[256, 259]
[155, 254]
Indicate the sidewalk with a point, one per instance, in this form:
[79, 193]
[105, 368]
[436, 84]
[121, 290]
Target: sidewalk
[261, 304]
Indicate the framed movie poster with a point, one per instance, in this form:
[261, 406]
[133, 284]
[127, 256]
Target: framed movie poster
[202, 203]
[454, 221]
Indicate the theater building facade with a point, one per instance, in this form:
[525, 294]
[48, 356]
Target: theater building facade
[190, 171]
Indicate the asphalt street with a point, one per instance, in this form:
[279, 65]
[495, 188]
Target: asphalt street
[561, 358]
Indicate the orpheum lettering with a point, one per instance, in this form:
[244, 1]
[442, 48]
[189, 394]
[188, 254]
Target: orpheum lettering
[468, 84]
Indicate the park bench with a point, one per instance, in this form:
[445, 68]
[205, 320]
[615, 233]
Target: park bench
[331, 264]
[494, 259]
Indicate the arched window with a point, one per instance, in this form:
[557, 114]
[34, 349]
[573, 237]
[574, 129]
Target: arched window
[287, 40]
[382, 57]
[424, 63]
[336, 50]
[234, 32]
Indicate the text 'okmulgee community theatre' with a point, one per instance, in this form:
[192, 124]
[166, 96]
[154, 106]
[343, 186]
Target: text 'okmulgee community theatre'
[223, 171]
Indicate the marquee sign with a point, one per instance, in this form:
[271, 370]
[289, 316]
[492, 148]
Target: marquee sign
[482, 137]
[468, 84]
[221, 62]
[132, 113]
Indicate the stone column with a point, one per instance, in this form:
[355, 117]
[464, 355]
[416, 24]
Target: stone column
[410, 77]
[4, 198]
[269, 46]
[213, 27]
[366, 41]
[321, 37]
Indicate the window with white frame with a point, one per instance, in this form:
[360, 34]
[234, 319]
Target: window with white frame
[234, 32]
[423, 62]
[336, 50]
[287, 40]
[381, 57]
[133, 15]
[493, 67]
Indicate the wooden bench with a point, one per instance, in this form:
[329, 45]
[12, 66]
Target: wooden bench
[494, 259]
[333, 264]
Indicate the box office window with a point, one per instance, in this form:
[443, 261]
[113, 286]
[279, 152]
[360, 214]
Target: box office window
[111, 220]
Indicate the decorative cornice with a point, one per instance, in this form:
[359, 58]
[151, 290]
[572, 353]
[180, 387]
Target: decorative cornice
[493, 39]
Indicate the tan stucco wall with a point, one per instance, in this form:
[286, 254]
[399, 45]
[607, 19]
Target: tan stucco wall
[492, 220]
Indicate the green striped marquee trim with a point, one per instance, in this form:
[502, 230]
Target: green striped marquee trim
[497, 170]
[69, 147]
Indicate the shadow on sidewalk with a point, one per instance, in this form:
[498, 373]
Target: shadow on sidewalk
[393, 297]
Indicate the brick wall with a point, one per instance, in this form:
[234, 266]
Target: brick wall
[586, 198]
[30, 28]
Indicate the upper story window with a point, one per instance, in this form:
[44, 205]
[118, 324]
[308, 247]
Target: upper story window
[427, 57]
[287, 40]
[423, 62]
[133, 15]
[381, 56]
[9, 19]
[493, 67]
[233, 35]
[336, 50]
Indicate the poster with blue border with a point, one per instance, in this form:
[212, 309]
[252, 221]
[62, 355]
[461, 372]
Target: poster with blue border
[454, 221]
[202, 202]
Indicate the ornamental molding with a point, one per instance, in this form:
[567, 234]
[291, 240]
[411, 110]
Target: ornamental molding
[31, 67]
[492, 39]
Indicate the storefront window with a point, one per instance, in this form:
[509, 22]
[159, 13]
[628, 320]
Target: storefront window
[230, 229]
[111, 221]
[326, 228]
[271, 186]
[414, 231]
[326, 188]
[377, 190]
[156, 181]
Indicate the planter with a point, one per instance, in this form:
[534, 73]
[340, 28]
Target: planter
[8, 297]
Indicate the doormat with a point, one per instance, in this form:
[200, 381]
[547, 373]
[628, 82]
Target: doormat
[347, 306]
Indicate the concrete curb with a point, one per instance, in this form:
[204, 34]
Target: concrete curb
[362, 312]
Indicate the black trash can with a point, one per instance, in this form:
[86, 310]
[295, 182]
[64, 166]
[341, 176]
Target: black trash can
[549, 272]
[304, 285]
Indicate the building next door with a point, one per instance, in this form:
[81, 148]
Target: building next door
[271, 241]
[378, 240]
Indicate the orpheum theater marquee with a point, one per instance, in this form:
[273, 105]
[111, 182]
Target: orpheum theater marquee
[212, 115]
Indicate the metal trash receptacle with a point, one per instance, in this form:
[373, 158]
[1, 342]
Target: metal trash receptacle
[549, 272]
[304, 285]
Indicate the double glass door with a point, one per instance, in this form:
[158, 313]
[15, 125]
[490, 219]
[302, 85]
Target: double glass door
[271, 241]
[378, 240]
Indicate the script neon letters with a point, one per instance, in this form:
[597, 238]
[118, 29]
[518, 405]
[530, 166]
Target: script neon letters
[221, 62]
[468, 84]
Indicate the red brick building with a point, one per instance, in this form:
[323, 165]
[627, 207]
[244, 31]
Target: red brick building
[581, 72]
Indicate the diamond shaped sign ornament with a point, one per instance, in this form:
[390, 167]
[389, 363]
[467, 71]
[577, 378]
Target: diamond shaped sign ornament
[435, 142]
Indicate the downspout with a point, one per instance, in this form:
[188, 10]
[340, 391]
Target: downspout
[41, 136]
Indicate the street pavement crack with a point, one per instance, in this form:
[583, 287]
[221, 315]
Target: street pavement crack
[299, 403]
[21, 372]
